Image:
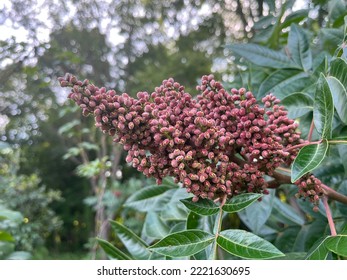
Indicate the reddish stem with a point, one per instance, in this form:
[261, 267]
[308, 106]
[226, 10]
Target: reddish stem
[303, 145]
[329, 216]
[309, 137]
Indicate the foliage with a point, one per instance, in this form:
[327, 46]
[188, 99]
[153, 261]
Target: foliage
[276, 220]
[27, 201]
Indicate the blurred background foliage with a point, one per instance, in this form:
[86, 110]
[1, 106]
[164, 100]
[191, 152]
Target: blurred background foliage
[61, 179]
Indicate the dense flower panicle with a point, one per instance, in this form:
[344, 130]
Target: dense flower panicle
[218, 143]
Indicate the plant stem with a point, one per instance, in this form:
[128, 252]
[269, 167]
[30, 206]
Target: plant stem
[218, 227]
[309, 137]
[329, 216]
[303, 145]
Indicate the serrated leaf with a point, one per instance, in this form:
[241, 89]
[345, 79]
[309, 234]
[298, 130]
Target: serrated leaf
[339, 95]
[308, 158]
[338, 69]
[134, 244]
[298, 104]
[337, 244]
[184, 243]
[150, 198]
[299, 47]
[318, 250]
[247, 245]
[111, 251]
[262, 56]
[205, 207]
[240, 202]
[323, 109]
[284, 82]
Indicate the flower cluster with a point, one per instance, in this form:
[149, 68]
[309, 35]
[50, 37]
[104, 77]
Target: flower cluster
[215, 144]
[311, 188]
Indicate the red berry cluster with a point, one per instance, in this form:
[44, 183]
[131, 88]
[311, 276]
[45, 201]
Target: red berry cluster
[215, 144]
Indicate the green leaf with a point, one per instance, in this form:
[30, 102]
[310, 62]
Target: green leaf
[332, 36]
[298, 104]
[184, 243]
[68, 126]
[240, 202]
[339, 95]
[286, 214]
[284, 82]
[262, 56]
[299, 47]
[337, 244]
[134, 244]
[338, 69]
[194, 221]
[256, 214]
[5, 236]
[286, 238]
[247, 245]
[111, 251]
[323, 110]
[318, 250]
[295, 17]
[174, 210]
[14, 216]
[154, 226]
[205, 207]
[150, 198]
[308, 158]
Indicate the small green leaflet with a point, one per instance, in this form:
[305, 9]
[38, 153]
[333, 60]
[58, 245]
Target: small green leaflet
[205, 207]
[308, 158]
[323, 109]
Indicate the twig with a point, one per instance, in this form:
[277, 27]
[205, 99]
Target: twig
[329, 216]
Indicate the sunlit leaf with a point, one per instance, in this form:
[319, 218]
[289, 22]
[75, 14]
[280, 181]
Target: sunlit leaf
[247, 245]
[337, 244]
[184, 243]
[323, 110]
[339, 95]
[308, 158]
[318, 251]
